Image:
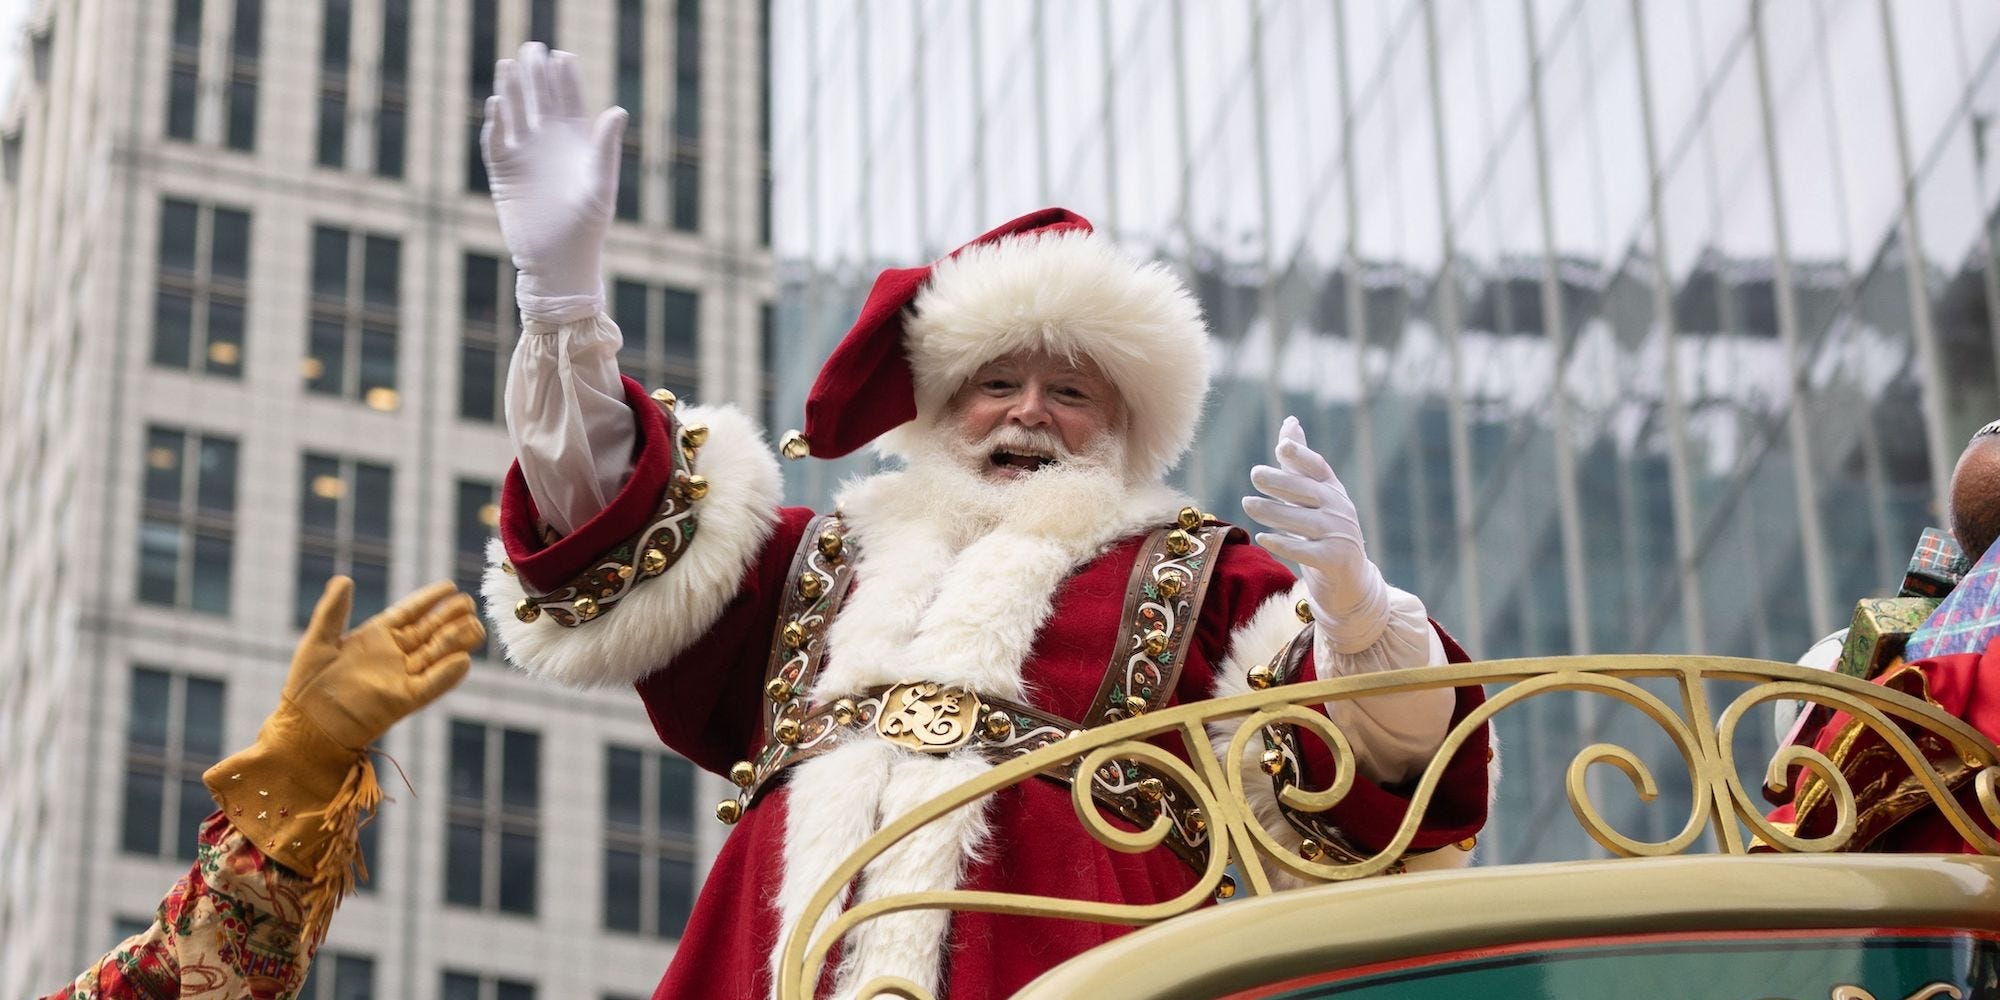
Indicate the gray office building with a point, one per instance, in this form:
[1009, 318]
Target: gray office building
[255, 314]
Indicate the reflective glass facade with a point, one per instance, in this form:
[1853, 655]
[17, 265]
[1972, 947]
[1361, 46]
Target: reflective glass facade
[1638, 326]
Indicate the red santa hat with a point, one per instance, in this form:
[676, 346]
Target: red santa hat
[1044, 281]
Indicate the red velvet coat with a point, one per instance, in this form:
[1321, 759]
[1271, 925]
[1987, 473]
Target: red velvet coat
[702, 688]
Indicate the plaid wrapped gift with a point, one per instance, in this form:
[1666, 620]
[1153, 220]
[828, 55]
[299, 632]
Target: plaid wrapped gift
[1936, 566]
[1969, 619]
[1881, 627]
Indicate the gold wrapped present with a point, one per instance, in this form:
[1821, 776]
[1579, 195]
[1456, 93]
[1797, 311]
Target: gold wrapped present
[1880, 628]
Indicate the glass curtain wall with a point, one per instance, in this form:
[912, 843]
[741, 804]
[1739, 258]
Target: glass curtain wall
[1631, 326]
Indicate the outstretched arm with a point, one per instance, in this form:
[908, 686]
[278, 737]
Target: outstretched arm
[275, 859]
[553, 173]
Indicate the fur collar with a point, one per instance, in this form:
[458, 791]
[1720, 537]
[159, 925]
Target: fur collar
[958, 576]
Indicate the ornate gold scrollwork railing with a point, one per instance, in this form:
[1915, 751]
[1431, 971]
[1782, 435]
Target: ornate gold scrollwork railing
[1705, 740]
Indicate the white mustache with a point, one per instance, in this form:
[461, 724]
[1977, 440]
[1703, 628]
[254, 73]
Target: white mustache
[1011, 437]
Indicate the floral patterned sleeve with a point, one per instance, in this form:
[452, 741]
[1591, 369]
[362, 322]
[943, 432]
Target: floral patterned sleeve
[232, 927]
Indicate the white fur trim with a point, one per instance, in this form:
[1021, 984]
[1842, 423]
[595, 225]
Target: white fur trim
[660, 617]
[1270, 629]
[1066, 293]
[933, 858]
[818, 840]
[939, 552]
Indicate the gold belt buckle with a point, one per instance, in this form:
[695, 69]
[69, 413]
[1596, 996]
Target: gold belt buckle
[927, 716]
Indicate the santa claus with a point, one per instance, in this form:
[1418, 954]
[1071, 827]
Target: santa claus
[1023, 570]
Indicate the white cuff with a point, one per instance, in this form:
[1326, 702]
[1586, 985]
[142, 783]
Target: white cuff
[567, 417]
[1393, 735]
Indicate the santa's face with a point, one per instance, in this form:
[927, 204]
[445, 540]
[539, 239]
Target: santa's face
[1026, 411]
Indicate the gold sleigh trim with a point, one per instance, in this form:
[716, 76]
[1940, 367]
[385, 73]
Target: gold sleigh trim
[1705, 739]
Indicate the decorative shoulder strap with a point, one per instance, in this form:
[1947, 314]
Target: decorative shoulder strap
[1162, 606]
[822, 573]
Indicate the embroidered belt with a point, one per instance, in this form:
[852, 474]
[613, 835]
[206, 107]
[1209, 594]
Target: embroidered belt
[1163, 601]
[928, 717]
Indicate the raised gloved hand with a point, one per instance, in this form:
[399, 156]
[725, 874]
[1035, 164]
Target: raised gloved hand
[302, 790]
[1313, 523]
[355, 685]
[553, 173]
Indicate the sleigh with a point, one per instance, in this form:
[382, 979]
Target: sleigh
[1730, 906]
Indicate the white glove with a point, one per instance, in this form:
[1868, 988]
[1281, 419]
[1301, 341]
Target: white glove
[1314, 524]
[553, 174]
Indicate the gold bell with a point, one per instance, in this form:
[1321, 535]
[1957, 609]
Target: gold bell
[998, 724]
[652, 562]
[742, 773]
[810, 585]
[1273, 761]
[1310, 850]
[830, 544]
[727, 810]
[778, 689]
[1261, 676]
[1195, 820]
[507, 568]
[1179, 542]
[586, 607]
[1304, 611]
[665, 397]
[1135, 706]
[795, 634]
[1155, 642]
[1190, 518]
[1152, 789]
[843, 711]
[1468, 843]
[794, 446]
[1226, 889]
[526, 609]
[789, 732]
[694, 435]
[694, 487]
[1170, 585]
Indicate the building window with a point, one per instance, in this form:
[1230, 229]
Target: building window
[489, 328]
[204, 274]
[764, 123]
[172, 734]
[478, 518]
[466, 986]
[648, 841]
[767, 360]
[184, 70]
[661, 335]
[245, 47]
[122, 928]
[632, 97]
[351, 335]
[392, 112]
[343, 528]
[336, 31]
[493, 818]
[187, 520]
[339, 976]
[485, 40]
[684, 172]
[542, 22]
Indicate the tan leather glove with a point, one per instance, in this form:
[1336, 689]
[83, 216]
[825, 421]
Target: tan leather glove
[302, 791]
